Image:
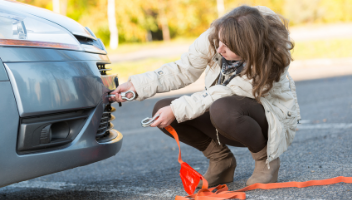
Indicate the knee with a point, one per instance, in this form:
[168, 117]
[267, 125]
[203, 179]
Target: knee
[224, 113]
[162, 103]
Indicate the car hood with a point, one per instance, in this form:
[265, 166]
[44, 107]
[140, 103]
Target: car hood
[74, 27]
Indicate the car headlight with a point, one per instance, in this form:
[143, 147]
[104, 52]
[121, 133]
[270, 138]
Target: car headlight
[24, 30]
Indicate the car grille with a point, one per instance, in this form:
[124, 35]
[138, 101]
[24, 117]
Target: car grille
[106, 124]
[102, 69]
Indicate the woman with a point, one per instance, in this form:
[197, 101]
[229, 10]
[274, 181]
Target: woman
[249, 98]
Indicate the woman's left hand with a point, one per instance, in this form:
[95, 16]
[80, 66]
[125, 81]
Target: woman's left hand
[166, 117]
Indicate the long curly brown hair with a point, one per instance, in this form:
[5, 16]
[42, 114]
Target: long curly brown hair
[260, 39]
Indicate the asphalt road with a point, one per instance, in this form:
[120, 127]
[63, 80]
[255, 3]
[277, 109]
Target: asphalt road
[147, 167]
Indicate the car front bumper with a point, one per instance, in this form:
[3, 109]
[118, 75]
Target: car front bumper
[28, 94]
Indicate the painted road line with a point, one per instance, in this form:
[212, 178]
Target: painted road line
[324, 126]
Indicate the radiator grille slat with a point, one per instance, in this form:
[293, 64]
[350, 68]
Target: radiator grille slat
[102, 69]
[106, 124]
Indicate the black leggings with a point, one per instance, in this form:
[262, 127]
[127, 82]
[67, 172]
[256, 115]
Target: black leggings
[240, 121]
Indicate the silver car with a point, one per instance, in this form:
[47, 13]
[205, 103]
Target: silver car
[54, 110]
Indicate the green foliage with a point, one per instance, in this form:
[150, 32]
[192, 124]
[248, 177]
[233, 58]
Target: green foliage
[78, 8]
[336, 11]
[188, 18]
[39, 3]
[308, 11]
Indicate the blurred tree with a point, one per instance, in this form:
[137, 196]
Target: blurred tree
[63, 7]
[191, 17]
[132, 21]
[60, 6]
[163, 11]
[114, 36]
[302, 11]
[336, 11]
[56, 6]
[78, 9]
[221, 7]
[145, 20]
[275, 5]
[39, 3]
[162, 18]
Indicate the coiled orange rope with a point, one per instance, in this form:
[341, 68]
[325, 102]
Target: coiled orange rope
[190, 179]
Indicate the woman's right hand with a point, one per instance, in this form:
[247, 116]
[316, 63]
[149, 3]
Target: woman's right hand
[122, 88]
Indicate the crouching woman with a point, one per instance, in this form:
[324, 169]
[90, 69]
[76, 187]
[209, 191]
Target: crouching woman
[249, 98]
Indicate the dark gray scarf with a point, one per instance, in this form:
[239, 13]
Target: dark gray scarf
[227, 68]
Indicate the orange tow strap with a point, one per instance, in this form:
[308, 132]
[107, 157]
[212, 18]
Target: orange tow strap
[190, 179]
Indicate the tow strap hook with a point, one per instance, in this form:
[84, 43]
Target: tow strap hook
[123, 94]
[148, 121]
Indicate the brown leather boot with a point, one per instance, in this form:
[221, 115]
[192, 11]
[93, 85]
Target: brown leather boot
[261, 173]
[222, 164]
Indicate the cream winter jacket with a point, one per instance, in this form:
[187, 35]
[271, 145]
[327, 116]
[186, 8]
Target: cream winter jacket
[280, 104]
